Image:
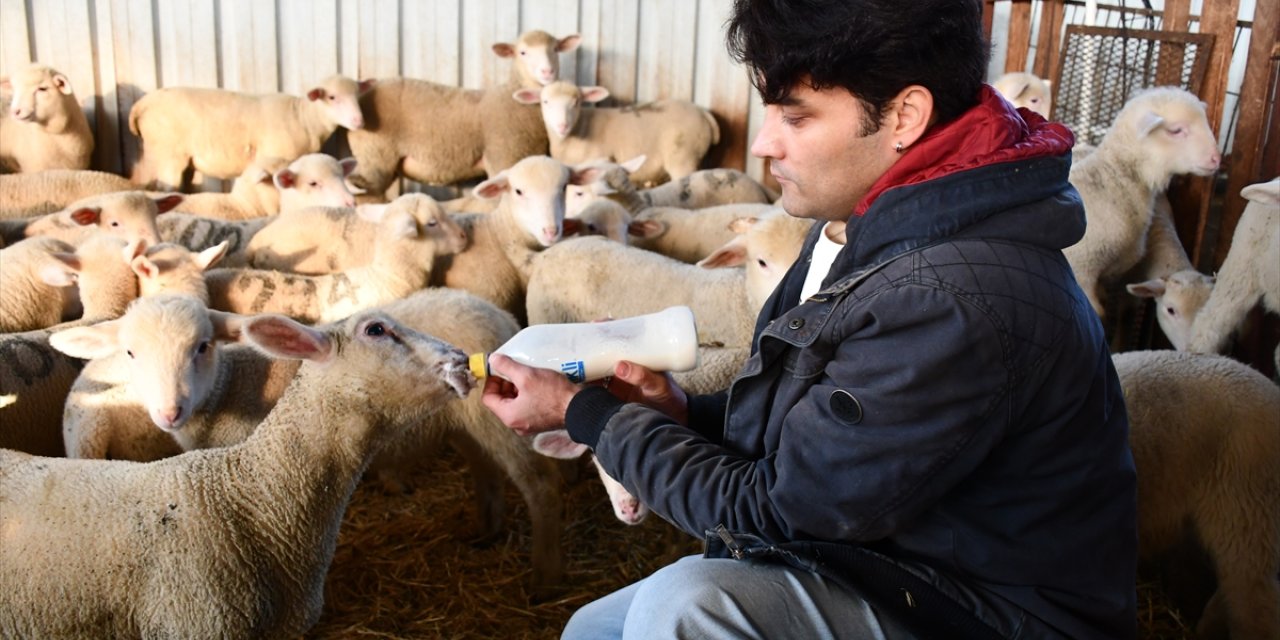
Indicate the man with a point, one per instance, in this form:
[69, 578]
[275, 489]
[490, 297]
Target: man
[929, 439]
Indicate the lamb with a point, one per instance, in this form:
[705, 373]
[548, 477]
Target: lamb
[1205, 442]
[673, 135]
[220, 133]
[1248, 275]
[127, 214]
[558, 444]
[529, 217]
[700, 189]
[314, 180]
[1025, 90]
[46, 281]
[319, 240]
[231, 542]
[440, 134]
[253, 195]
[198, 233]
[402, 259]
[217, 398]
[602, 218]
[23, 195]
[566, 284]
[690, 235]
[1160, 133]
[44, 127]
[1178, 297]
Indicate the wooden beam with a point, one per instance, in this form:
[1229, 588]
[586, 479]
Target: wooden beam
[1049, 42]
[988, 15]
[1246, 165]
[1217, 18]
[1018, 43]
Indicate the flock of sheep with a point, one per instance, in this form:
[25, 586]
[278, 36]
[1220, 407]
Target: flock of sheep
[191, 385]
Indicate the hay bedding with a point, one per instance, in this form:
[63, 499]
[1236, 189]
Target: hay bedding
[404, 567]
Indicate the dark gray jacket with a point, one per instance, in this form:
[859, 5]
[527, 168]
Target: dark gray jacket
[947, 399]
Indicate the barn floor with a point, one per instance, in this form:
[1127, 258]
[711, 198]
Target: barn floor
[404, 568]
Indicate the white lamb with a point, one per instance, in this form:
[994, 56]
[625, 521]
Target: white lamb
[403, 255]
[217, 397]
[1205, 433]
[503, 244]
[1250, 273]
[569, 283]
[319, 240]
[1026, 90]
[127, 214]
[673, 135]
[702, 188]
[230, 542]
[1178, 298]
[558, 444]
[1160, 133]
[34, 296]
[220, 133]
[198, 233]
[44, 127]
[690, 235]
[253, 195]
[23, 195]
[441, 134]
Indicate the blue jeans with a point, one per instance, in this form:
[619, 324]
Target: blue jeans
[699, 597]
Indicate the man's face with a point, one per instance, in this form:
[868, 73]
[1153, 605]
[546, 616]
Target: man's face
[817, 153]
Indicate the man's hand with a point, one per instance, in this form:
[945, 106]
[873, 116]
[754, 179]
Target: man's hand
[527, 399]
[634, 383]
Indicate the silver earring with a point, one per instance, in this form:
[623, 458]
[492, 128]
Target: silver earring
[898, 147]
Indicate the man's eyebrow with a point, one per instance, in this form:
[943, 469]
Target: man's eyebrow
[790, 100]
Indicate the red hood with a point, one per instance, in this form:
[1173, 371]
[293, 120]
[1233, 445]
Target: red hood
[989, 133]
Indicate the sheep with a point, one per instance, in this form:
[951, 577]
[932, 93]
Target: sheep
[502, 245]
[673, 135]
[602, 218]
[220, 133]
[566, 284]
[198, 233]
[700, 189]
[230, 542]
[1178, 297]
[557, 444]
[44, 127]
[1025, 90]
[217, 398]
[1205, 440]
[1249, 273]
[319, 240]
[23, 195]
[34, 293]
[403, 254]
[126, 214]
[440, 134]
[253, 195]
[689, 235]
[1160, 133]
[313, 180]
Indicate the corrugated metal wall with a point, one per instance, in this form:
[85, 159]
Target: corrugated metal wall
[115, 51]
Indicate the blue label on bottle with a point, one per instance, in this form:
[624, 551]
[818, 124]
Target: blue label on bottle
[574, 369]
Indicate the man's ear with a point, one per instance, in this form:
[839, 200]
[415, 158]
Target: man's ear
[912, 114]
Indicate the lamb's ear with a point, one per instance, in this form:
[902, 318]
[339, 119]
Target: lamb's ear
[5, 83]
[633, 165]
[94, 341]
[144, 267]
[527, 96]
[504, 50]
[573, 227]
[743, 224]
[558, 444]
[212, 255]
[62, 83]
[315, 94]
[493, 187]
[282, 337]
[63, 272]
[1148, 289]
[226, 326]
[1148, 123]
[646, 229]
[366, 86]
[348, 165]
[584, 175]
[168, 202]
[594, 94]
[568, 43]
[732, 254]
[85, 216]
[1263, 192]
[134, 249]
[286, 179]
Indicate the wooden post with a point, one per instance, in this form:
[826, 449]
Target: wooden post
[1219, 19]
[1049, 42]
[1019, 41]
[988, 15]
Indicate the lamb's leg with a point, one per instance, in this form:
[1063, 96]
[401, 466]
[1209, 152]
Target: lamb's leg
[1243, 538]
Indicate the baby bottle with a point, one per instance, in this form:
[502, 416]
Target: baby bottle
[583, 351]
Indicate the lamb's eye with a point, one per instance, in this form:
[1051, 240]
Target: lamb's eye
[130, 353]
[115, 223]
[313, 184]
[762, 263]
[375, 329]
[1171, 311]
[204, 346]
[519, 192]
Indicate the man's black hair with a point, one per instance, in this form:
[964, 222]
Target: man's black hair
[871, 48]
